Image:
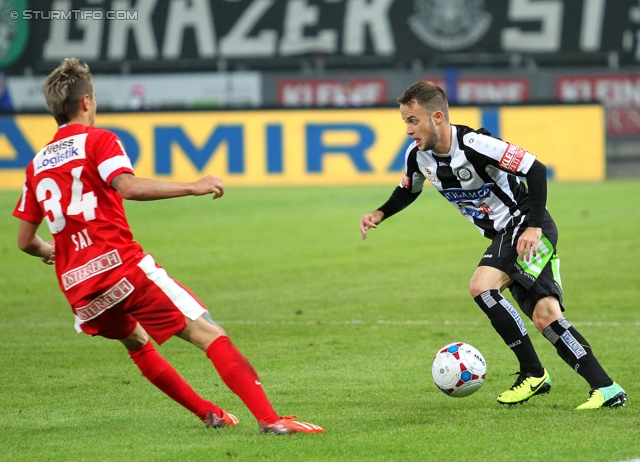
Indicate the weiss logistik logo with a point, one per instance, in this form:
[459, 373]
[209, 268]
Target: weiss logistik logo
[59, 153]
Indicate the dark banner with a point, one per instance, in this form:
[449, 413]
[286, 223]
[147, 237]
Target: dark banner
[177, 34]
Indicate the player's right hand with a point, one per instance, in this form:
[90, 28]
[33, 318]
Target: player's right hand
[208, 185]
[370, 220]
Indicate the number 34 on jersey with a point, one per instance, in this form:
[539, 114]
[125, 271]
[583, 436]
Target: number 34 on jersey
[54, 190]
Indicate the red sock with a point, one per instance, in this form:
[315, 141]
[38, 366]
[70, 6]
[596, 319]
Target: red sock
[162, 374]
[238, 374]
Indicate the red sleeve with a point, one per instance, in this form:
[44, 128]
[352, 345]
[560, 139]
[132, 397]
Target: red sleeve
[109, 154]
[27, 207]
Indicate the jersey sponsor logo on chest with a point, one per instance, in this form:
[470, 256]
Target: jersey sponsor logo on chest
[105, 301]
[104, 262]
[463, 195]
[59, 153]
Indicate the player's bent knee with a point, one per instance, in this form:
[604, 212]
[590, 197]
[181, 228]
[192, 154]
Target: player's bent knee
[136, 340]
[476, 289]
[207, 317]
[546, 311]
[201, 332]
[479, 284]
[543, 319]
[541, 324]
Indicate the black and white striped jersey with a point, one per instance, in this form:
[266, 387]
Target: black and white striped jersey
[479, 176]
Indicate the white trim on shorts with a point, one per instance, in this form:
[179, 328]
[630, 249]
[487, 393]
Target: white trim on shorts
[182, 299]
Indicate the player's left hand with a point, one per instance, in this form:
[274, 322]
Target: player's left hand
[528, 243]
[50, 257]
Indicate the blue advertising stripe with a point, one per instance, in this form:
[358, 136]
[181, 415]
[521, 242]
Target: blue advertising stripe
[307, 146]
[274, 148]
[491, 120]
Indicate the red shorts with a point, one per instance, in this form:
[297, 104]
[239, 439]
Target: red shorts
[147, 295]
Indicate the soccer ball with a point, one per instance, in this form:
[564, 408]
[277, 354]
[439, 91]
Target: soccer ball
[458, 369]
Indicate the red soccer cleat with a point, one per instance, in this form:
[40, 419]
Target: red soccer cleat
[287, 426]
[213, 421]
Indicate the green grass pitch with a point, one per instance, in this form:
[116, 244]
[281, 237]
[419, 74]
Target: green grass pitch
[342, 332]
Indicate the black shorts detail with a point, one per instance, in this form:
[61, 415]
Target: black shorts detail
[536, 279]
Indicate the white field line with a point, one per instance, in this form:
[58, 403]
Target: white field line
[409, 322]
[354, 322]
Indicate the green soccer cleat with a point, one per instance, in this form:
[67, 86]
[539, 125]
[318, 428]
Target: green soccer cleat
[611, 396]
[525, 387]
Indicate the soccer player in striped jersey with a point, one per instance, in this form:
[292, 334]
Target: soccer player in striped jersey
[481, 176]
[76, 183]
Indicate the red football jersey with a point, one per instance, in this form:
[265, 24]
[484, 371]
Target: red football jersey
[68, 184]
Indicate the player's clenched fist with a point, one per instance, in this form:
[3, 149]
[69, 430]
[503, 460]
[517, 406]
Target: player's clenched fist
[209, 185]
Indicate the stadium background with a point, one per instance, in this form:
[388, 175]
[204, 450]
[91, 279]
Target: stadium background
[302, 91]
[341, 330]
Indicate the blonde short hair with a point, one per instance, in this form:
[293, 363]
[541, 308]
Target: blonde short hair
[65, 87]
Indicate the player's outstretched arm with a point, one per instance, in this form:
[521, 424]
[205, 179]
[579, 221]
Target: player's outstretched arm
[29, 242]
[147, 189]
[399, 200]
[370, 220]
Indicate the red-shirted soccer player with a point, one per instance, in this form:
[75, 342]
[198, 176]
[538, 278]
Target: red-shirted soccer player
[76, 183]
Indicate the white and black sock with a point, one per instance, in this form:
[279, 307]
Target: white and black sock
[509, 325]
[576, 352]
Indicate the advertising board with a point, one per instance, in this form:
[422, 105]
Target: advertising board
[320, 147]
